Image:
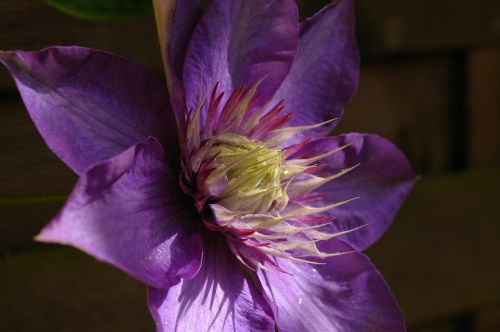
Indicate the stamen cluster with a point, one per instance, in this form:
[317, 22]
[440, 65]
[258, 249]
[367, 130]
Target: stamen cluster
[252, 179]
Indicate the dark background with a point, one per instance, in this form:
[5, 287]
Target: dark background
[430, 82]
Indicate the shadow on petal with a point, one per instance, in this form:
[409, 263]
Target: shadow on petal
[219, 298]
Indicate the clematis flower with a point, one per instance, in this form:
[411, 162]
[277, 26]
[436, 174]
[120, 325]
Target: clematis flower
[223, 193]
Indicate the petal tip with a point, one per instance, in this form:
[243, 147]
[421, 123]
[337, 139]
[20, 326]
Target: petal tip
[45, 234]
[7, 58]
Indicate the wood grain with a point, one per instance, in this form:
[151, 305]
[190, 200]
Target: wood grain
[409, 103]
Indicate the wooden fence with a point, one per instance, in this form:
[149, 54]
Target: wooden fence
[430, 82]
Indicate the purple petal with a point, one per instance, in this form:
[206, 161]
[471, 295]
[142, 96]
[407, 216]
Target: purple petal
[90, 105]
[325, 71]
[219, 298]
[129, 212]
[345, 294]
[382, 181]
[239, 42]
[176, 21]
[187, 15]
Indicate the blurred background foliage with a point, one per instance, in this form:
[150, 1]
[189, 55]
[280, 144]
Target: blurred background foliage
[430, 82]
[104, 10]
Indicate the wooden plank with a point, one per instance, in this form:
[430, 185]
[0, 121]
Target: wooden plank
[440, 255]
[409, 103]
[391, 26]
[487, 319]
[64, 290]
[31, 24]
[484, 73]
[27, 166]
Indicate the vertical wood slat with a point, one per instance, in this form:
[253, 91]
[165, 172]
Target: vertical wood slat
[392, 26]
[409, 103]
[484, 73]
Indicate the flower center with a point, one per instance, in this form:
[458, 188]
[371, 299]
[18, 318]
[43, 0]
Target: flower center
[253, 178]
[250, 172]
